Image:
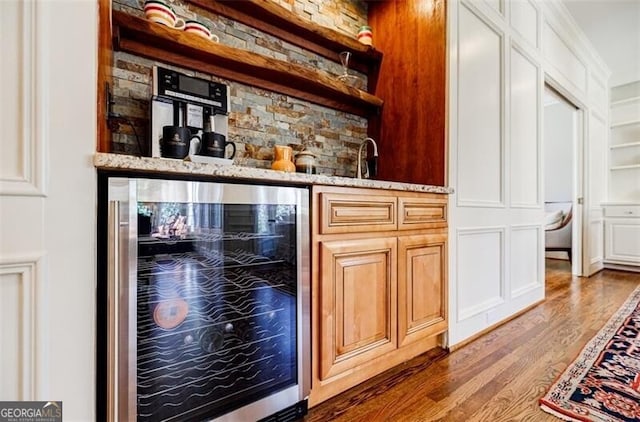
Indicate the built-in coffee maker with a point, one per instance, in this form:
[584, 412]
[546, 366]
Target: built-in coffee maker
[182, 102]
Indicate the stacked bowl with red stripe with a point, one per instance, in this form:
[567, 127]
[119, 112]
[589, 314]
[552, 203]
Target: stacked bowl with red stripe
[160, 12]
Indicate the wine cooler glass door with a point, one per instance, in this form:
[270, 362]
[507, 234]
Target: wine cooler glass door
[217, 286]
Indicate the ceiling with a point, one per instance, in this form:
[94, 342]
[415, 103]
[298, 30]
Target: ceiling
[613, 27]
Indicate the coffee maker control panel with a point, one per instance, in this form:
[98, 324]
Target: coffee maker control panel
[172, 84]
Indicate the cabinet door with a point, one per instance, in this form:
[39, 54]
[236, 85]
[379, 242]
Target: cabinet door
[358, 302]
[622, 240]
[422, 286]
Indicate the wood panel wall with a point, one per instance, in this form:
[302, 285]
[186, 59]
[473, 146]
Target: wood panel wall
[411, 131]
[105, 63]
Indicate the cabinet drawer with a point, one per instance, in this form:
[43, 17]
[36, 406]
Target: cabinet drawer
[421, 213]
[342, 213]
[622, 211]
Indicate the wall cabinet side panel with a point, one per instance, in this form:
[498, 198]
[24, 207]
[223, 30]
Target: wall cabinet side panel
[411, 34]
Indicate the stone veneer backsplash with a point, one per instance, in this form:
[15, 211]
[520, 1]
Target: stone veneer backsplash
[258, 119]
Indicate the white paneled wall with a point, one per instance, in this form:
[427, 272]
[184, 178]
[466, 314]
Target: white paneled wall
[597, 183]
[483, 250]
[500, 55]
[524, 20]
[596, 243]
[524, 141]
[47, 203]
[23, 125]
[480, 157]
[496, 5]
[598, 97]
[525, 262]
[563, 58]
[23, 327]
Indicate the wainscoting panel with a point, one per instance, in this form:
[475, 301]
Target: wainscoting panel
[525, 260]
[23, 126]
[524, 137]
[563, 58]
[496, 5]
[480, 128]
[597, 147]
[480, 281]
[596, 249]
[598, 94]
[524, 20]
[19, 325]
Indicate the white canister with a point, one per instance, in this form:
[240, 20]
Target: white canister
[306, 162]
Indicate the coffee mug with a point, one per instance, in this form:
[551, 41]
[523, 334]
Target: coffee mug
[215, 144]
[160, 12]
[176, 142]
[195, 27]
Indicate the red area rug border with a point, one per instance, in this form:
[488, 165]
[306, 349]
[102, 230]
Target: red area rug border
[589, 355]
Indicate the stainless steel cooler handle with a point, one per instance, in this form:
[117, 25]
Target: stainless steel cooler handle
[121, 399]
[113, 290]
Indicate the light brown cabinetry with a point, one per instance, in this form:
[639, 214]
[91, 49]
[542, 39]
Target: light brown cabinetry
[379, 282]
[358, 302]
[422, 268]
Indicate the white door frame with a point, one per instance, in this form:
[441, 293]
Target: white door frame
[579, 232]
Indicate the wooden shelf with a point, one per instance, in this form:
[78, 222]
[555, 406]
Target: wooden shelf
[273, 19]
[158, 42]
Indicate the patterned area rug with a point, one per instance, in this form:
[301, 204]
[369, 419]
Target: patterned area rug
[603, 383]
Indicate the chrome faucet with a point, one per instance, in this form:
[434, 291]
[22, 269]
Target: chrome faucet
[359, 173]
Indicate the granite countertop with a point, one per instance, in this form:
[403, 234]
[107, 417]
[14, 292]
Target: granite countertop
[164, 165]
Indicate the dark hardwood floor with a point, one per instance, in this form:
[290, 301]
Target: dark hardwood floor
[501, 375]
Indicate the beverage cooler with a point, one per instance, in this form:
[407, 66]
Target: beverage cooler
[204, 301]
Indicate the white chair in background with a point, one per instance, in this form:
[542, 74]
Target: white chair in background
[558, 218]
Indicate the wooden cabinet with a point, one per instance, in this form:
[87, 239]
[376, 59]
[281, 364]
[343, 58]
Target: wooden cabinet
[358, 302]
[422, 265]
[379, 261]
